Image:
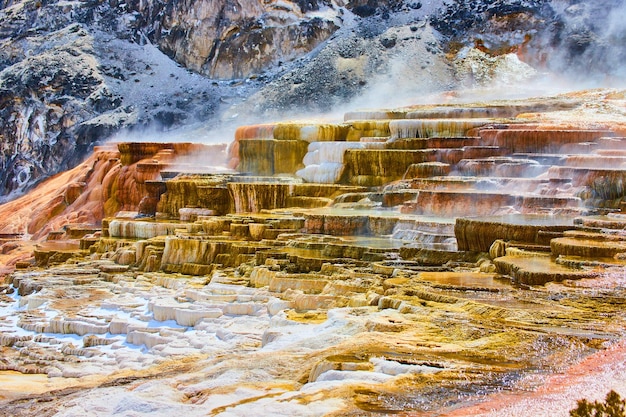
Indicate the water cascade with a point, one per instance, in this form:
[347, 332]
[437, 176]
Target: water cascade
[325, 163]
[426, 128]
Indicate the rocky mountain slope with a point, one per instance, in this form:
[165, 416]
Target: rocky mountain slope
[76, 73]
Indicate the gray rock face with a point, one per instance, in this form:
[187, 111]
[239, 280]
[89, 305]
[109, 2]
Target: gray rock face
[361, 65]
[43, 100]
[228, 39]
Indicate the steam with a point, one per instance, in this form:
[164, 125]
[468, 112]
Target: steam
[211, 158]
[589, 48]
[581, 47]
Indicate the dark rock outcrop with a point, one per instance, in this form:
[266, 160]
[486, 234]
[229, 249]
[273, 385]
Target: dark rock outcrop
[43, 100]
[577, 39]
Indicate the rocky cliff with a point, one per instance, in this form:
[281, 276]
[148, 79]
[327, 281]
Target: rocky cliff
[75, 73]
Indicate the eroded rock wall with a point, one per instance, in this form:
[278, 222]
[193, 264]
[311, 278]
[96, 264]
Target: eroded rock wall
[234, 39]
[44, 99]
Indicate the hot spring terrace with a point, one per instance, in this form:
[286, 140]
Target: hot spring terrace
[389, 190]
[399, 261]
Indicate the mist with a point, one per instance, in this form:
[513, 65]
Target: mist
[579, 45]
[587, 48]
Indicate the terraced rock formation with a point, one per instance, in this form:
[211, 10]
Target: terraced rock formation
[407, 260]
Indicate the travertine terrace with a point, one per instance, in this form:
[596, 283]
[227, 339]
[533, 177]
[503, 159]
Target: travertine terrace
[407, 261]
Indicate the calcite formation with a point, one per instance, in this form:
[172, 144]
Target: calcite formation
[410, 263]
